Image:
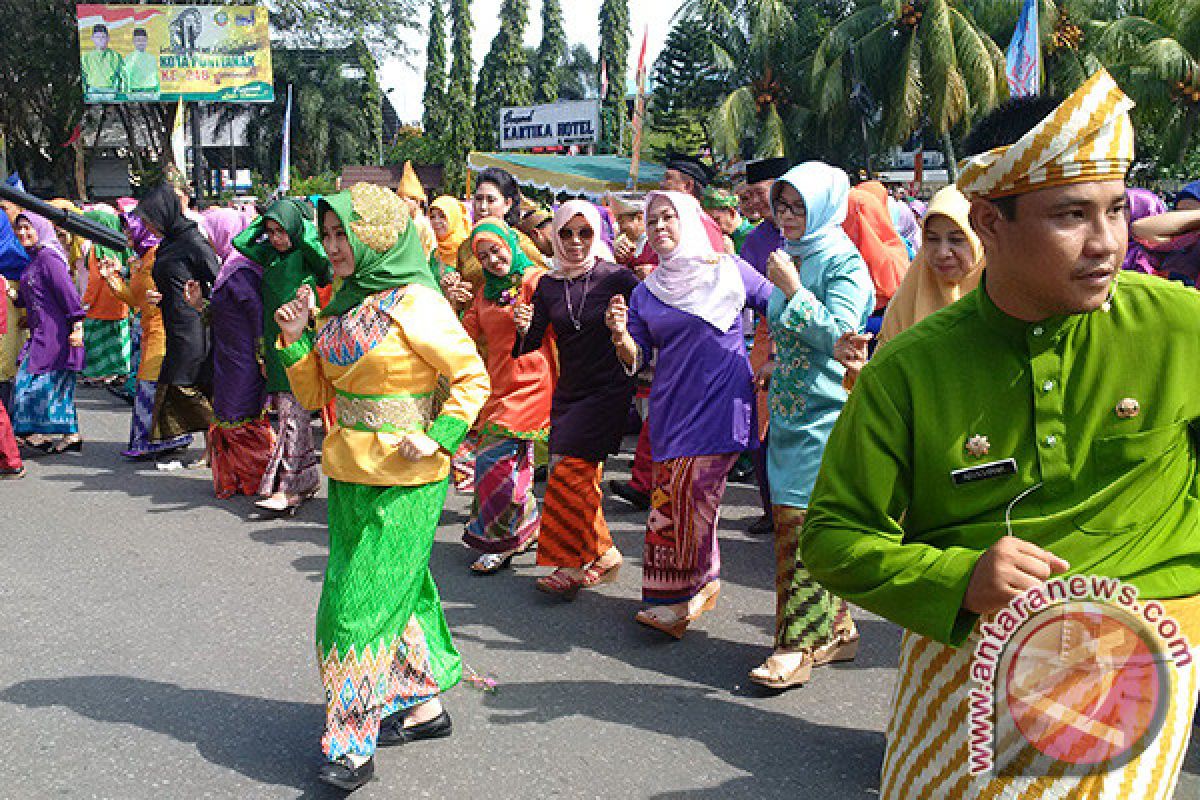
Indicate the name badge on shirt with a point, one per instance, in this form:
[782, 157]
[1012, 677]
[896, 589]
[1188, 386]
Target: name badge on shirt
[994, 469]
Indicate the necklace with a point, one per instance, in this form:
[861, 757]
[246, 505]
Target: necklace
[577, 321]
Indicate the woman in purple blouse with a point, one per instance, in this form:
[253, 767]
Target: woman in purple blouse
[688, 316]
[43, 403]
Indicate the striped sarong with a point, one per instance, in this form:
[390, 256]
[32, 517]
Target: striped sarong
[140, 444]
[807, 615]
[293, 467]
[681, 555]
[44, 403]
[928, 735]
[108, 347]
[504, 515]
[574, 531]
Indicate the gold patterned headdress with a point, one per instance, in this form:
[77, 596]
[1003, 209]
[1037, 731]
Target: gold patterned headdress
[1087, 138]
[382, 216]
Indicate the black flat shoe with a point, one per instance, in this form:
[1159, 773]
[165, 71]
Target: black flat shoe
[638, 499]
[340, 774]
[761, 526]
[392, 730]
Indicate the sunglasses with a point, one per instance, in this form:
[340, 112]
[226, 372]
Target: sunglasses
[583, 234]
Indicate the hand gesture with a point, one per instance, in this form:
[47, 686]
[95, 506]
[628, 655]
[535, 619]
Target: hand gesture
[1007, 569]
[616, 317]
[108, 268]
[762, 378]
[194, 295]
[850, 350]
[76, 337]
[153, 297]
[134, 262]
[782, 272]
[523, 317]
[415, 446]
[623, 249]
[292, 317]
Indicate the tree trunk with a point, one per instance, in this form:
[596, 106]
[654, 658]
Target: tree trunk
[951, 158]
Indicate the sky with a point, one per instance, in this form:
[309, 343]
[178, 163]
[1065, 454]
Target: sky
[580, 19]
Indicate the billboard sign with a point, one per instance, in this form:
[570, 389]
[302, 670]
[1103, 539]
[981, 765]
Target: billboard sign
[151, 53]
[552, 125]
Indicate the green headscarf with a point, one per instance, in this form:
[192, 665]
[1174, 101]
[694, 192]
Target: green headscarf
[386, 245]
[111, 222]
[290, 216]
[494, 286]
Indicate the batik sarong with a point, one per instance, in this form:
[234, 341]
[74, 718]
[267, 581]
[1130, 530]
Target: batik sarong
[681, 554]
[462, 464]
[929, 734]
[140, 444]
[807, 615]
[239, 453]
[574, 532]
[44, 403]
[179, 410]
[382, 641]
[108, 347]
[293, 467]
[504, 514]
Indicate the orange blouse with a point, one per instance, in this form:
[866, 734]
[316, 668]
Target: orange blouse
[519, 406]
[98, 298]
[154, 335]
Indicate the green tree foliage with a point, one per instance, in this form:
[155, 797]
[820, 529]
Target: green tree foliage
[551, 53]
[504, 75]
[926, 62]
[575, 75]
[333, 25]
[614, 55]
[435, 69]
[459, 131]
[41, 99]
[686, 88]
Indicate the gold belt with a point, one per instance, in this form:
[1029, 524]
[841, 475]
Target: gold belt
[398, 413]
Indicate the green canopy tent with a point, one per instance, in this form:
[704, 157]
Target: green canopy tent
[587, 176]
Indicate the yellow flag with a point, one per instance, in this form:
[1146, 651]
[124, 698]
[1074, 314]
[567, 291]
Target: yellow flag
[178, 152]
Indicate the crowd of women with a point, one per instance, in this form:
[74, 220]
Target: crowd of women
[476, 342]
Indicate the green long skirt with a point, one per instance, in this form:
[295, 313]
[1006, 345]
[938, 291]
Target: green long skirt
[382, 641]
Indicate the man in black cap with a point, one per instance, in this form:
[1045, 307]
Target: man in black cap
[755, 197]
[686, 174]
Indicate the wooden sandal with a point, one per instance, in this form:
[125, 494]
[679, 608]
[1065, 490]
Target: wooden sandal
[679, 624]
[561, 583]
[844, 647]
[766, 674]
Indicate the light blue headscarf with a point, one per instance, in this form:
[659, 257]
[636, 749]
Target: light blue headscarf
[825, 190]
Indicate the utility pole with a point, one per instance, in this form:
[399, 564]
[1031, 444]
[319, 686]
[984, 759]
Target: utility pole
[197, 155]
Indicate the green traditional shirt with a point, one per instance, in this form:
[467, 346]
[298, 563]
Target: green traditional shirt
[744, 229]
[1118, 492]
[141, 72]
[102, 69]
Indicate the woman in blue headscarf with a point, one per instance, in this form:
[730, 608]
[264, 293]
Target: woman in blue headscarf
[822, 290]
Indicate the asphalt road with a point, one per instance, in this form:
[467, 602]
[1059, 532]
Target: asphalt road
[158, 643]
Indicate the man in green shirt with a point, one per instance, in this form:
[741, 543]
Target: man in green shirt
[141, 68]
[102, 68]
[1050, 395]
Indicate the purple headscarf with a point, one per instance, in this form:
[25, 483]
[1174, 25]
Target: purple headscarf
[220, 226]
[141, 237]
[906, 224]
[608, 232]
[45, 232]
[1142, 203]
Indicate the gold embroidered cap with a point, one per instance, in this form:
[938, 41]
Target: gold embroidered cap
[1087, 138]
[382, 216]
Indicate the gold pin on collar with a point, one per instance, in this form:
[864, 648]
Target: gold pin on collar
[1128, 408]
[978, 446]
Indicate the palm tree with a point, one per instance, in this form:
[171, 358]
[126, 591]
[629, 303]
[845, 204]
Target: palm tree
[926, 61]
[1154, 53]
[758, 51]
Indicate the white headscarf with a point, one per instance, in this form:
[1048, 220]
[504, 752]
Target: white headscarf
[694, 278]
[599, 250]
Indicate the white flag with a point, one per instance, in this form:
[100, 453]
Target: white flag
[285, 178]
[178, 144]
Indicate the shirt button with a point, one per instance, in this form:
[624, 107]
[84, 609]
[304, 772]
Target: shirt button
[1051, 440]
[1048, 386]
[1039, 330]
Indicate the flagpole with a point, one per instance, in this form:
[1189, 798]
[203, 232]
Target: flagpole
[639, 117]
[285, 178]
[197, 155]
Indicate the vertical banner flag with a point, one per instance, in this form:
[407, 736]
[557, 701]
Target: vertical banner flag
[178, 146]
[639, 115]
[1024, 58]
[285, 180]
[603, 80]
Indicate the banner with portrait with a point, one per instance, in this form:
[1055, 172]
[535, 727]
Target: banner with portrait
[149, 53]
